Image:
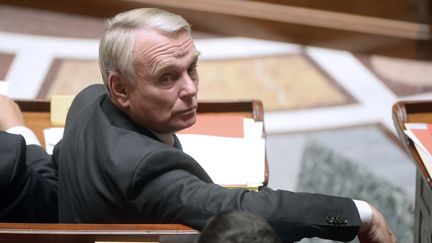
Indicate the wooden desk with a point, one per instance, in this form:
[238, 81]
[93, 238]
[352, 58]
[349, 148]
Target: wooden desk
[417, 111]
[90, 233]
[413, 111]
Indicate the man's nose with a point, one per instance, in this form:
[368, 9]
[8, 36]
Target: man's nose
[189, 87]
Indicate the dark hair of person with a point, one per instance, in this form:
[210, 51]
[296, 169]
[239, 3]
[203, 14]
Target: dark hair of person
[237, 227]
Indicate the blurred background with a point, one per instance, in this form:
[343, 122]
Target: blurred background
[327, 73]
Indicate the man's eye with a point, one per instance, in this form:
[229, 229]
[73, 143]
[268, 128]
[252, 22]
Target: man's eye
[166, 81]
[165, 78]
[193, 68]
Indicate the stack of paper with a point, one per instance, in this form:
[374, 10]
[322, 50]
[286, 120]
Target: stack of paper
[231, 150]
[52, 136]
[421, 135]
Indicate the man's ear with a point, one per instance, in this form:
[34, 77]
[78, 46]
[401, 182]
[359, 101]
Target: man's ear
[118, 87]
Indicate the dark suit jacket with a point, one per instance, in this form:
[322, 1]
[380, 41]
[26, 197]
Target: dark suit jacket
[28, 182]
[111, 170]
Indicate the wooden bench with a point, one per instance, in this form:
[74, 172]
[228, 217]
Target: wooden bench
[91, 233]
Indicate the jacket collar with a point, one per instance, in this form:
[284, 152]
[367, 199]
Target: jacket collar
[119, 119]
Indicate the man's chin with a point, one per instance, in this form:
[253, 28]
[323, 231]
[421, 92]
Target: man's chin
[186, 124]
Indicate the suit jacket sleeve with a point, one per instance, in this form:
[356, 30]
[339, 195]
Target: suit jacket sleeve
[180, 196]
[28, 182]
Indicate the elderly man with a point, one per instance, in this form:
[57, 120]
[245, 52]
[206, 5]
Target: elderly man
[121, 162]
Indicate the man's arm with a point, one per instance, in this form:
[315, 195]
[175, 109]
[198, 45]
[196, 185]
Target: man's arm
[29, 188]
[181, 197]
[12, 121]
[178, 195]
[11, 114]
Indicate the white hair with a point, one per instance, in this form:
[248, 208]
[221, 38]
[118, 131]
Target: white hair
[117, 43]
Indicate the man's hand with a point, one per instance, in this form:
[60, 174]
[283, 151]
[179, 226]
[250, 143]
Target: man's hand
[378, 230]
[10, 113]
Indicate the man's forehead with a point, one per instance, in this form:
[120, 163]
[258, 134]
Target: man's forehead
[153, 43]
[157, 52]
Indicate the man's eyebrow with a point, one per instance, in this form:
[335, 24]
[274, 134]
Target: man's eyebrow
[160, 67]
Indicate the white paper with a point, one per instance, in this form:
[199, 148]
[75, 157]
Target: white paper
[252, 129]
[4, 87]
[416, 125]
[228, 161]
[52, 136]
